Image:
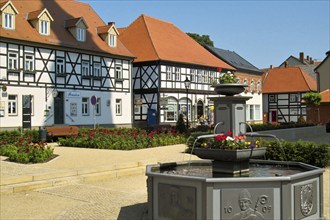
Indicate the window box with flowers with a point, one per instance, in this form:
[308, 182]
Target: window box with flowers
[229, 85]
[229, 154]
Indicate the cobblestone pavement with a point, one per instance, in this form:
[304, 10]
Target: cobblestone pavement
[121, 198]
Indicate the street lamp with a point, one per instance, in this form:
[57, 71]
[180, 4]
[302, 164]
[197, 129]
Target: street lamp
[187, 85]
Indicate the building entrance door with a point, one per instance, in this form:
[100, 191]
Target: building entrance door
[59, 108]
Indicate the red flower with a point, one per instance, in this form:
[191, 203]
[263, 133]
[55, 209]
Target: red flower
[229, 133]
[27, 150]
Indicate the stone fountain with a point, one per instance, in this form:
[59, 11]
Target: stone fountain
[261, 189]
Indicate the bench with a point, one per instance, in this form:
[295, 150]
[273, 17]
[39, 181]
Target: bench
[61, 131]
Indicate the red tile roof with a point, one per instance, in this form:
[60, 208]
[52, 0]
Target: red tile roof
[325, 95]
[62, 10]
[285, 80]
[152, 39]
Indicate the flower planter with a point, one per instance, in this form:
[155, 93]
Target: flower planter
[233, 162]
[229, 89]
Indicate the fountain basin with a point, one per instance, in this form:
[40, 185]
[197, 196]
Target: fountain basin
[270, 190]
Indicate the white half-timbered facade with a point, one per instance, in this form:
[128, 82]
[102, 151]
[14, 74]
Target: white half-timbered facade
[282, 96]
[166, 57]
[62, 70]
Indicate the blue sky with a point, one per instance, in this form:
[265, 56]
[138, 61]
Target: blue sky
[263, 32]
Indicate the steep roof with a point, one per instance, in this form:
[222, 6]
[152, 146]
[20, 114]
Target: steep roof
[325, 95]
[152, 39]
[233, 59]
[285, 80]
[61, 11]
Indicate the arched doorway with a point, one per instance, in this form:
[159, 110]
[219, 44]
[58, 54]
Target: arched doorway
[200, 109]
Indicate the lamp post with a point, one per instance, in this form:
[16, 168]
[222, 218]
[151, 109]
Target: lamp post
[187, 85]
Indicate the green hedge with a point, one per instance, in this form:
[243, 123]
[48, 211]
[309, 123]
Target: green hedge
[300, 151]
[269, 126]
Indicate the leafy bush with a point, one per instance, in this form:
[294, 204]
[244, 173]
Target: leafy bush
[11, 137]
[300, 151]
[123, 138]
[25, 151]
[269, 126]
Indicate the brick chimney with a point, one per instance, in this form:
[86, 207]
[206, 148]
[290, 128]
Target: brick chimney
[301, 56]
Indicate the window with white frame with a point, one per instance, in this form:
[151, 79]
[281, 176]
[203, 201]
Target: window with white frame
[199, 76]
[85, 68]
[81, 34]
[253, 112]
[206, 76]
[12, 104]
[118, 107]
[294, 97]
[118, 72]
[29, 62]
[97, 69]
[192, 75]
[12, 61]
[44, 27]
[171, 111]
[98, 106]
[168, 73]
[85, 106]
[177, 74]
[272, 98]
[8, 21]
[112, 40]
[60, 66]
[212, 78]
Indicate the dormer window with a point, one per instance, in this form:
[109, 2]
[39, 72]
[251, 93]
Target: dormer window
[77, 27]
[8, 21]
[41, 21]
[113, 40]
[8, 12]
[81, 33]
[109, 34]
[44, 27]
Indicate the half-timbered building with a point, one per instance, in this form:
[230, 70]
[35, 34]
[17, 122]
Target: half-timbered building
[61, 64]
[283, 89]
[247, 74]
[166, 57]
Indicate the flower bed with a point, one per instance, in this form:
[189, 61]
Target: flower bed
[123, 138]
[24, 148]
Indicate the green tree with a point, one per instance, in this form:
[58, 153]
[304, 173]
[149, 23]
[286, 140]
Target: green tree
[312, 98]
[203, 40]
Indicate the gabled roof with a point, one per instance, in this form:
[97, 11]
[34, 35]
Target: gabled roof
[286, 80]
[323, 61]
[105, 29]
[151, 39]
[74, 22]
[36, 14]
[62, 10]
[233, 59]
[292, 61]
[3, 5]
[325, 95]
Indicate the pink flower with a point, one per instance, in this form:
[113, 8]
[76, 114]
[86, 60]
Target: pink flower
[229, 133]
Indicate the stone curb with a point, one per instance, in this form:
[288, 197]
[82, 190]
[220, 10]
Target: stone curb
[38, 181]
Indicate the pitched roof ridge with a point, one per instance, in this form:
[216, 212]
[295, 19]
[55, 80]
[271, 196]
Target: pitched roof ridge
[148, 16]
[152, 43]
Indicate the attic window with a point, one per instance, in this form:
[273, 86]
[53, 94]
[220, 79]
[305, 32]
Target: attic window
[8, 21]
[81, 34]
[44, 27]
[113, 40]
